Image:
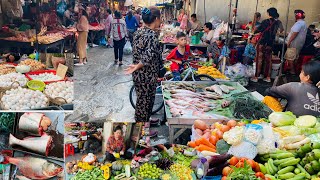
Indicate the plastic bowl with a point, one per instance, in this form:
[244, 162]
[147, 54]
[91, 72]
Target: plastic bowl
[36, 85]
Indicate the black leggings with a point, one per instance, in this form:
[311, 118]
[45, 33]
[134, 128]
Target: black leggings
[118, 48]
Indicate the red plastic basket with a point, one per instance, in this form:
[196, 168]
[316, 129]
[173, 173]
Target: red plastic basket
[44, 71]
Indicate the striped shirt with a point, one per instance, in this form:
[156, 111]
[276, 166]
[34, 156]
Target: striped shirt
[118, 29]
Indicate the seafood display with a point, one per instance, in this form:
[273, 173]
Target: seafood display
[34, 123]
[41, 145]
[33, 168]
[197, 100]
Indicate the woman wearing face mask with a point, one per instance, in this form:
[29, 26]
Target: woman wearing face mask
[146, 64]
[302, 97]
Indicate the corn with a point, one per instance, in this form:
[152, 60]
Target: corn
[273, 103]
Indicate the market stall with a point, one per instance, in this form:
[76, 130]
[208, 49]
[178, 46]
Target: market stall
[96, 30]
[30, 85]
[33, 140]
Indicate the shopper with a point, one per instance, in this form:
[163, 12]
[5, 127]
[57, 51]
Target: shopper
[147, 59]
[195, 23]
[132, 25]
[83, 29]
[250, 52]
[68, 17]
[184, 22]
[302, 97]
[296, 39]
[267, 34]
[108, 24]
[219, 50]
[178, 55]
[137, 15]
[118, 34]
[181, 15]
[116, 146]
[208, 33]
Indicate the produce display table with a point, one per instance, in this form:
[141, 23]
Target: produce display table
[177, 125]
[21, 47]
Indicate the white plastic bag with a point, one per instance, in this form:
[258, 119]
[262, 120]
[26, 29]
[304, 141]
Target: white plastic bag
[127, 48]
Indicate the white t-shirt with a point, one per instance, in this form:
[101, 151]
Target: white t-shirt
[301, 27]
[209, 36]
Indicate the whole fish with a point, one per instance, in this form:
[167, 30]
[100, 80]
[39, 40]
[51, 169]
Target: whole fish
[179, 95]
[225, 88]
[171, 104]
[34, 168]
[182, 91]
[215, 88]
[41, 145]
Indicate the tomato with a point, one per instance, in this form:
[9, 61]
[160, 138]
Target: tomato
[251, 163]
[225, 128]
[219, 134]
[260, 175]
[233, 161]
[224, 178]
[242, 160]
[240, 164]
[232, 123]
[226, 171]
[257, 168]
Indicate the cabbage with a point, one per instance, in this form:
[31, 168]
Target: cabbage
[291, 130]
[282, 118]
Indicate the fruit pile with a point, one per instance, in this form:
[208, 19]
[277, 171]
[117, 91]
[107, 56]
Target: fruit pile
[149, 171]
[211, 71]
[302, 164]
[182, 171]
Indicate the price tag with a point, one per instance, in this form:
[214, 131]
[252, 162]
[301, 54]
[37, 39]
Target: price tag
[62, 70]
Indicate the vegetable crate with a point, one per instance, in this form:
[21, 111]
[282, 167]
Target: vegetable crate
[28, 75]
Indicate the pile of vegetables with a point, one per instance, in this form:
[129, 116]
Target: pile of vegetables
[63, 89]
[182, 171]
[149, 171]
[302, 164]
[21, 99]
[8, 80]
[7, 121]
[211, 71]
[243, 169]
[95, 173]
[273, 103]
[34, 65]
[46, 77]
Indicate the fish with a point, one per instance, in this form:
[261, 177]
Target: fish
[34, 168]
[214, 88]
[182, 91]
[175, 112]
[41, 145]
[225, 89]
[171, 104]
[31, 123]
[179, 95]
[215, 97]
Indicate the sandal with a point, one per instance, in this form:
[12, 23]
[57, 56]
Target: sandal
[254, 79]
[120, 63]
[85, 61]
[268, 80]
[115, 61]
[79, 64]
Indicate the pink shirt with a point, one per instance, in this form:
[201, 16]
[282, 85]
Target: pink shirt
[108, 24]
[184, 22]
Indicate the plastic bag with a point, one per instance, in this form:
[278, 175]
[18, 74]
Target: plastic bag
[253, 133]
[127, 48]
[244, 150]
[103, 41]
[61, 7]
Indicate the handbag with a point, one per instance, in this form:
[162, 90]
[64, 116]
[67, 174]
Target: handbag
[291, 54]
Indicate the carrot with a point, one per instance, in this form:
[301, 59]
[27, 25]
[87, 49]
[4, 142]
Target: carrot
[206, 142]
[198, 142]
[202, 147]
[192, 144]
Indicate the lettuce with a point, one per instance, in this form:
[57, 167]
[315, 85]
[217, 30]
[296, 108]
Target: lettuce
[282, 118]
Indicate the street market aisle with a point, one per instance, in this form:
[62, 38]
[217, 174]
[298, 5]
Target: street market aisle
[102, 89]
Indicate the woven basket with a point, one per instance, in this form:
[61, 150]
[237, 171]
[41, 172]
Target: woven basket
[57, 100]
[4, 89]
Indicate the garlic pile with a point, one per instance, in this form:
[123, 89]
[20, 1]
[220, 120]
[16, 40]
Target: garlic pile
[62, 89]
[22, 99]
[7, 80]
[46, 77]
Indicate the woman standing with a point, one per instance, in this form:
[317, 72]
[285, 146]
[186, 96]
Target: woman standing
[83, 29]
[146, 64]
[118, 33]
[132, 25]
[268, 30]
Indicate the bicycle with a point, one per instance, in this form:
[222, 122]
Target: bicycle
[158, 103]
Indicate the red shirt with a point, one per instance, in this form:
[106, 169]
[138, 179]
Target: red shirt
[175, 54]
[114, 145]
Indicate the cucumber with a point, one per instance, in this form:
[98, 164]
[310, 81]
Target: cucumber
[286, 170]
[300, 176]
[286, 176]
[306, 121]
[304, 171]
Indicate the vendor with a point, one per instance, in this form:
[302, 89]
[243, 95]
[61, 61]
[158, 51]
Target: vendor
[302, 97]
[116, 146]
[218, 50]
[10, 57]
[195, 23]
[208, 33]
[94, 143]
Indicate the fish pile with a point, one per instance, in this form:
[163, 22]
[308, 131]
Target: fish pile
[184, 98]
[34, 124]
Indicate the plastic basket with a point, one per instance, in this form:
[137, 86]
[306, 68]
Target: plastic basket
[28, 75]
[195, 39]
[36, 85]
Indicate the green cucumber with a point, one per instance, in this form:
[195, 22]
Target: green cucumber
[309, 169]
[306, 148]
[315, 165]
[281, 155]
[263, 169]
[270, 176]
[278, 162]
[316, 153]
[304, 171]
[300, 176]
[286, 176]
[297, 171]
[274, 168]
[286, 170]
[290, 163]
[315, 145]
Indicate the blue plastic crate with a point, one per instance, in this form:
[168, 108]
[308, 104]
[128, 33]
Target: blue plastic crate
[212, 178]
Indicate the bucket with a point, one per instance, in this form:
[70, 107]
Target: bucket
[195, 40]
[275, 70]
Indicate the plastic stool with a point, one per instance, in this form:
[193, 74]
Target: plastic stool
[68, 150]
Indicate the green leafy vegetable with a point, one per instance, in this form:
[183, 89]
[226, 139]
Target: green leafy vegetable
[242, 173]
[282, 118]
[222, 146]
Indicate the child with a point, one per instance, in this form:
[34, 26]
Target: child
[218, 51]
[250, 52]
[178, 54]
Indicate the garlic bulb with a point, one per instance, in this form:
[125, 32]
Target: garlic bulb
[63, 89]
[46, 77]
[23, 99]
[7, 80]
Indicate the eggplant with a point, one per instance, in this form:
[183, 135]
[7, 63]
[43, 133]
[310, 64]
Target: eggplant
[218, 160]
[218, 169]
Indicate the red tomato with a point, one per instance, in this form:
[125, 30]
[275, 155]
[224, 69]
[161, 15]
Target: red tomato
[226, 171]
[260, 175]
[233, 161]
[251, 163]
[224, 178]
